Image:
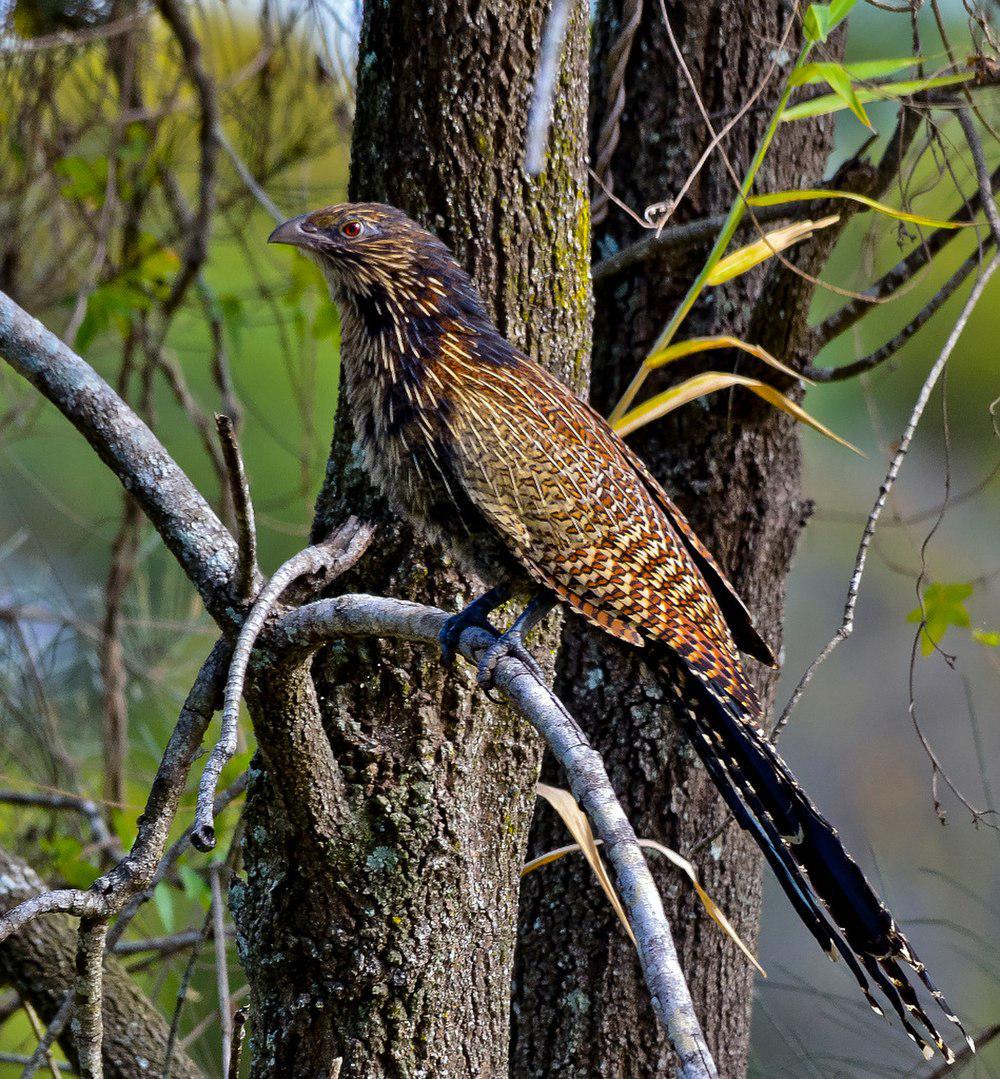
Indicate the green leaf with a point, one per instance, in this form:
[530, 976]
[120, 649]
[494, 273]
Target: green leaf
[66, 854]
[194, 885]
[861, 69]
[776, 198]
[822, 19]
[86, 180]
[112, 304]
[989, 638]
[820, 106]
[944, 606]
[840, 83]
[164, 903]
[136, 144]
[839, 80]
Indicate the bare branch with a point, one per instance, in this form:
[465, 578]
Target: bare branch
[71, 39]
[983, 177]
[327, 560]
[892, 346]
[169, 860]
[40, 965]
[185, 521]
[250, 182]
[891, 282]
[239, 1033]
[239, 488]
[73, 803]
[306, 628]
[88, 1021]
[678, 238]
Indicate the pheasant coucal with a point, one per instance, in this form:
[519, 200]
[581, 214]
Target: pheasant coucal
[532, 491]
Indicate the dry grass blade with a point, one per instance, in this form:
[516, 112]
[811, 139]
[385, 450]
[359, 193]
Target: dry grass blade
[714, 911]
[776, 198]
[707, 344]
[579, 828]
[710, 382]
[746, 258]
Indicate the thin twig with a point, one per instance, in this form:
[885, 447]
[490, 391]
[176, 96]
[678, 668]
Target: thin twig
[69, 802]
[161, 946]
[175, 14]
[982, 1039]
[985, 181]
[847, 624]
[47, 1040]
[678, 238]
[110, 892]
[614, 101]
[218, 910]
[55, 1066]
[326, 560]
[39, 1031]
[165, 867]
[306, 628]
[251, 184]
[182, 992]
[239, 489]
[73, 39]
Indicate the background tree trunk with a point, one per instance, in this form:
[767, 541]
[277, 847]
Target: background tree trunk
[39, 962]
[391, 943]
[580, 1005]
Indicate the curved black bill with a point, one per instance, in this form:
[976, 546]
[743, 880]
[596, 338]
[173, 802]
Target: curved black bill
[291, 232]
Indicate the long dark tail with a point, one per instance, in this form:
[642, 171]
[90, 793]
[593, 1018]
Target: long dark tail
[824, 883]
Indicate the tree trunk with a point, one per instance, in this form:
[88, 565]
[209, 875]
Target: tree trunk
[580, 1005]
[378, 915]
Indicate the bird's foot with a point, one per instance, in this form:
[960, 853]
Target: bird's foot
[456, 625]
[510, 644]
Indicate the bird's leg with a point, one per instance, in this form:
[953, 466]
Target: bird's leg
[511, 643]
[475, 614]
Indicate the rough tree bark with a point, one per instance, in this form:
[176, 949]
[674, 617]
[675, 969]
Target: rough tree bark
[388, 940]
[580, 1007]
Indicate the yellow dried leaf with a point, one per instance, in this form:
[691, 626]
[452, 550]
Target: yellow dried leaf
[714, 911]
[708, 344]
[745, 258]
[710, 382]
[579, 828]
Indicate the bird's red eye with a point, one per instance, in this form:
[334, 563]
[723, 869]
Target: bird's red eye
[350, 229]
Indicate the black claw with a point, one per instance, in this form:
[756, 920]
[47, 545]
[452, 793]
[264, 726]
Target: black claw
[453, 629]
[448, 640]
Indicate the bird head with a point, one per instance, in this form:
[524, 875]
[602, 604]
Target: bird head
[368, 247]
